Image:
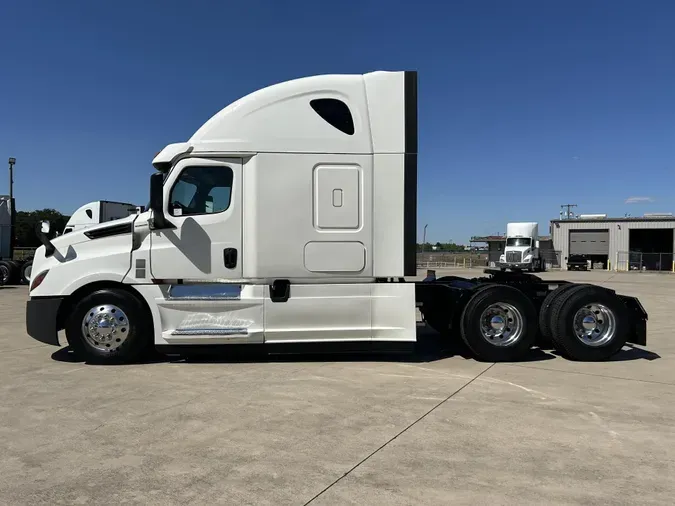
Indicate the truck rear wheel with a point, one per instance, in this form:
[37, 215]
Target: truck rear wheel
[26, 270]
[589, 323]
[110, 325]
[5, 272]
[545, 310]
[499, 324]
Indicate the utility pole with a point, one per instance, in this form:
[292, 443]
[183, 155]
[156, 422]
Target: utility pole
[569, 213]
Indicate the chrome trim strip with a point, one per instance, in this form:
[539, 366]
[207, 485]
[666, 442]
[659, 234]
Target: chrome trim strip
[210, 332]
[205, 291]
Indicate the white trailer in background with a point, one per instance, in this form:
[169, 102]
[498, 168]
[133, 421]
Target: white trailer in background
[97, 212]
[290, 217]
[521, 251]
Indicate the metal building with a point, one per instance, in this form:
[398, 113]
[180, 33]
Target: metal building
[644, 243]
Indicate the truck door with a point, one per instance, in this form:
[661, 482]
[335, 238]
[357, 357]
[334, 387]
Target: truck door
[202, 200]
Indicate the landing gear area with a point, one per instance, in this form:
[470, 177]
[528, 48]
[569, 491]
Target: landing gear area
[503, 316]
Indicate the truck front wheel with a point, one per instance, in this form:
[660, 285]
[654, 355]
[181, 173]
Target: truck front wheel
[499, 324]
[109, 325]
[589, 323]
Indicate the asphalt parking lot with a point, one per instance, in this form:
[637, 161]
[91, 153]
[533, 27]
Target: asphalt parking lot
[434, 428]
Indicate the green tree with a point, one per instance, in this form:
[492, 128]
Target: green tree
[25, 235]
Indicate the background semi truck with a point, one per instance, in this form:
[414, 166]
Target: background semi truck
[290, 217]
[96, 212]
[19, 271]
[11, 271]
[521, 251]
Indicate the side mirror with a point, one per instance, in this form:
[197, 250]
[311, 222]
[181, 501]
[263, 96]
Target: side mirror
[536, 244]
[45, 227]
[157, 201]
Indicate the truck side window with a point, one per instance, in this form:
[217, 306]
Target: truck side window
[201, 190]
[335, 112]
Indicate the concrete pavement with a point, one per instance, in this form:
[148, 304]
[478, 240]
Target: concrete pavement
[435, 428]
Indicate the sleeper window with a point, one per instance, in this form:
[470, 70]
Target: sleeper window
[201, 190]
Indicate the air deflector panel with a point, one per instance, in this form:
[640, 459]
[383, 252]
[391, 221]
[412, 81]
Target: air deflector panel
[410, 176]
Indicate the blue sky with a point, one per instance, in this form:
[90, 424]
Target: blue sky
[524, 105]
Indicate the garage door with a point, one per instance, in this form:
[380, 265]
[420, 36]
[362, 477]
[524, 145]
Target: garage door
[589, 242]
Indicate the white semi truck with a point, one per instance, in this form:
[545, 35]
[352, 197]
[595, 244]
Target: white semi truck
[97, 212]
[521, 251]
[289, 217]
[87, 215]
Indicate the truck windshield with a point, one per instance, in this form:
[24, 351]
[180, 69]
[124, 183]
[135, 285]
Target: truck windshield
[518, 241]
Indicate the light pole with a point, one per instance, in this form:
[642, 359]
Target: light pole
[12, 161]
[424, 237]
[12, 214]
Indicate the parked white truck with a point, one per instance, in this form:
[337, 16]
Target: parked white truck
[87, 215]
[521, 251]
[97, 212]
[290, 217]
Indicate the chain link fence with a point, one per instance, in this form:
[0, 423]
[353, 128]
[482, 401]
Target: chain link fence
[637, 261]
[470, 260]
[449, 260]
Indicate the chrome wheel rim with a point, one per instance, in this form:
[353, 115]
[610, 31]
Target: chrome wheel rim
[501, 324]
[105, 327]
[594, 325]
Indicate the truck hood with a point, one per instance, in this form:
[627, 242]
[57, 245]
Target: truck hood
[96, 231]
[102, 250]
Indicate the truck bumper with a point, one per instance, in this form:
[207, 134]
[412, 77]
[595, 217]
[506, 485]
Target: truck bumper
[41, 322]
[522, 266]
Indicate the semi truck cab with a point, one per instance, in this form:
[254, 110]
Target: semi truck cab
[521, 251]
[272, 223]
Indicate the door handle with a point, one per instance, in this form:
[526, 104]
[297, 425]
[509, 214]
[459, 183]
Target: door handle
[230, 257]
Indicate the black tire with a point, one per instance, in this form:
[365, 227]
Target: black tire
[563, 311]
[26, 271]
[133, 337]
[545, 310]
[470, 324]
[16, 272]
[5, 272]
